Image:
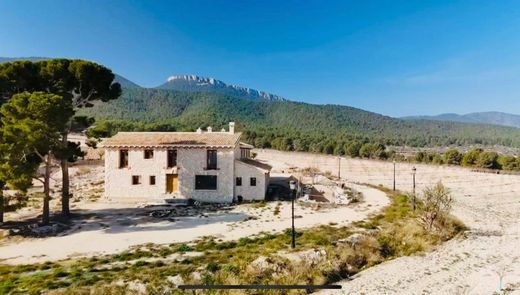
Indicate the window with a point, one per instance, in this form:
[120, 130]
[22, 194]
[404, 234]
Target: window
[148, 154]
[136, 179]
[211, 160]
[123, 158]
[252, 181]
[245, 153]
[172, 158]
[205, 182]
[152, 179]
[239, 181]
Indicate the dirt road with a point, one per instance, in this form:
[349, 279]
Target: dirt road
[486, 261]
[109, 228]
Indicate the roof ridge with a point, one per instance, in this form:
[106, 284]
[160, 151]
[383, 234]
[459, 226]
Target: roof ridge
[161, 138]
[186, 132]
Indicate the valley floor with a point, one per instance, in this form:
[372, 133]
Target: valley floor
[486, 261]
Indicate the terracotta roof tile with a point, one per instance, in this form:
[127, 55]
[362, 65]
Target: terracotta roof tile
[191, 139]
[257, 164]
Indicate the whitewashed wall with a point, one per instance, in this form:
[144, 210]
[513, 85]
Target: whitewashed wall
[247, 191]
[237, 152]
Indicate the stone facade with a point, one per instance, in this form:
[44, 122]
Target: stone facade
[191, 161]
[118, 181]
[246, 190]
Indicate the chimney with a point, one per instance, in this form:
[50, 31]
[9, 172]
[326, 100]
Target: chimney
[232, 127]
[210, 129]
[199, 131]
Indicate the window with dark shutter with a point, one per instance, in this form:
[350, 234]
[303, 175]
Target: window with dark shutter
[148, 154]
[123, 158]
[136, 179]
[252, 181]
[239, 181]
[152, 179]
[205, 182]
[172, 158]
[211, 160]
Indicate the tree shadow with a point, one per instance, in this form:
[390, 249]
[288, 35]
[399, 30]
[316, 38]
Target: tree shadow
[131, 219]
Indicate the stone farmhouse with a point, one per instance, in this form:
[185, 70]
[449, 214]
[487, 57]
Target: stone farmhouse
[206, 166]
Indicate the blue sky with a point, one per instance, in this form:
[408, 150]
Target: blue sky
[392, 57]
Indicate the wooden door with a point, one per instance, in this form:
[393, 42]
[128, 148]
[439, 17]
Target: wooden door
[172, 183]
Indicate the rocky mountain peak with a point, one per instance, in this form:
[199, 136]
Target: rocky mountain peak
[196, 83]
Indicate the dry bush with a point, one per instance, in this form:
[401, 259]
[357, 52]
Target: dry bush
[446, 226]
[404, 239]
[105, 289]
[353, 195]
[82, 170]
[310, 171]
[436, 204]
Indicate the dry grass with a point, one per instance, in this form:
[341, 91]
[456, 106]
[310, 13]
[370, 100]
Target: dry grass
[392, 233]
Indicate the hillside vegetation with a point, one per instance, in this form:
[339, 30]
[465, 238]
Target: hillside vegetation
[344, 251]
[495, 118]
[285, 125]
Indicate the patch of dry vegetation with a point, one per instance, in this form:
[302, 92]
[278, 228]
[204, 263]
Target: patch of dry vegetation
[338, 253]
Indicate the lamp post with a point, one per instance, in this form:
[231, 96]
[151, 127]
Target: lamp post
[394, 177]
[413, 188]
[339, 167]
[292, 186]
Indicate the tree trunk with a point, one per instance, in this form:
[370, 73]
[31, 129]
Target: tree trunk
[1, 204]
[65, 184]
[65, 190]
[46, 190]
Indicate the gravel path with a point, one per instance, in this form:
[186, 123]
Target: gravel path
[487, 260]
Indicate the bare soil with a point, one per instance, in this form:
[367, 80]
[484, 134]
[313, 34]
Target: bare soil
[485, 261]
[101, 226]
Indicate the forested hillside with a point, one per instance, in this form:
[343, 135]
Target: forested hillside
[495, 118]
[286, 125]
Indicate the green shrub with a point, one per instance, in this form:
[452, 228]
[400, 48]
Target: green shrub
[212, 267]
[470, 158]
[183, 248]
[59, 273]
[141, 263]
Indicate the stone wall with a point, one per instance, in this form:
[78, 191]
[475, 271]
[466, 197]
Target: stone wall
[190, 162]
[248, 192]
[118, 181]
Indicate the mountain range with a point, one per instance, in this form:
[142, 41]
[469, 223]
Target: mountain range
[193, 83]
[187, 83]
[186, 102]
[495, 118]
[283, 124]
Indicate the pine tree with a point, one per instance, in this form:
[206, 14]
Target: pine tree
[78, 81]
[31, 129]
